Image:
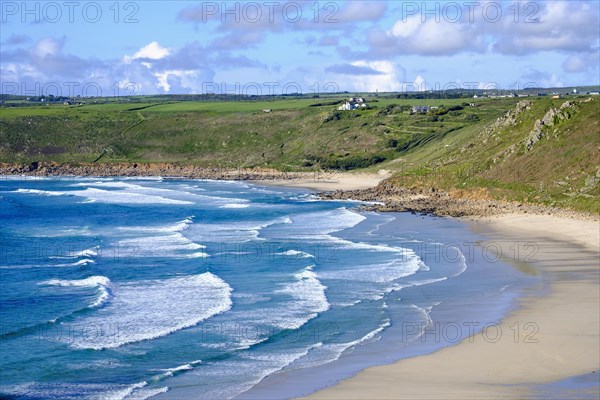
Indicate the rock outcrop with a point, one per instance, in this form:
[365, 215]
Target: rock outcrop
[551, 118]
[386, 197]
[151, 169]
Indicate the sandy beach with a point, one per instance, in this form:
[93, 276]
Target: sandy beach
[557, 335]
[331, 181]
[548, 338]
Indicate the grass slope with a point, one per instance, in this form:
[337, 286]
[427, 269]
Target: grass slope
[459, 146]
[562, 169]
[297, 133]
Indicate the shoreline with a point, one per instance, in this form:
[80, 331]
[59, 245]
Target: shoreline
[557, 338]
[370, 187]
[315, 180]
[568, 260]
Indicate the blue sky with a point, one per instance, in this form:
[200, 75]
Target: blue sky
[148, 47]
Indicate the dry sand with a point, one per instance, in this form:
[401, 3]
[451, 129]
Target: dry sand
[331, 181]
[558, 334]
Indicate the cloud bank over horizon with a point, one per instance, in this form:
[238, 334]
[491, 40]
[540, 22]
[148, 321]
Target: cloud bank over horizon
[281, 47]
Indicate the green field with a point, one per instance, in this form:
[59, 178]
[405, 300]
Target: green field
[444, 148]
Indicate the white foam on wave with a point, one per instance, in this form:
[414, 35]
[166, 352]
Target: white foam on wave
[123, 197]
[235, 232]
[178, 226]
[320, 225]
[169, 372]
[427, 320]
[308, 299]
[163, 240]
[306, 198]
[40, 192]
[325, 222]
[120, 394]
[427, 281]
[78, 263]
[347, 303]
[110, 184]
[29, 266]
[329, 352]
[234, 205]
[384, 272]
[462, 263]
[301, 300]
[177, 193]
[296, 253]
[253, 368]
[91, 252]
[143, 394]
[95, 391]
[109, 196]
[197, 254]
[263, 364]
[101, 282]
[91, 281]
[250, 298]
[144, 310]
[349, 244]
[174, 245]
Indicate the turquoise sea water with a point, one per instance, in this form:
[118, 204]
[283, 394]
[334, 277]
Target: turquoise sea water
[138, 288]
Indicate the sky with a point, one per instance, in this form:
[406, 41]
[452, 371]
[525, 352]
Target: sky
[116, 48]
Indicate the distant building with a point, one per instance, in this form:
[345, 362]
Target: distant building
[353, 104]
[267, 110]
[420, 109]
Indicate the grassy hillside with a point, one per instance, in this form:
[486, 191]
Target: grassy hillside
[562, 168]
[474, 147]
[297, 133]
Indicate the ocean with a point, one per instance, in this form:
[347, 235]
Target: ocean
[135, 288]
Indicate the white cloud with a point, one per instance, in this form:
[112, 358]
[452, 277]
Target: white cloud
[47, 47]
[153, 51]
[567, 26]
[412, 35]
[165, 78]
[419, 84]
[388, 79]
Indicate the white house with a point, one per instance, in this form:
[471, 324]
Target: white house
[420, 109]
[346, 106]
[352, 104]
